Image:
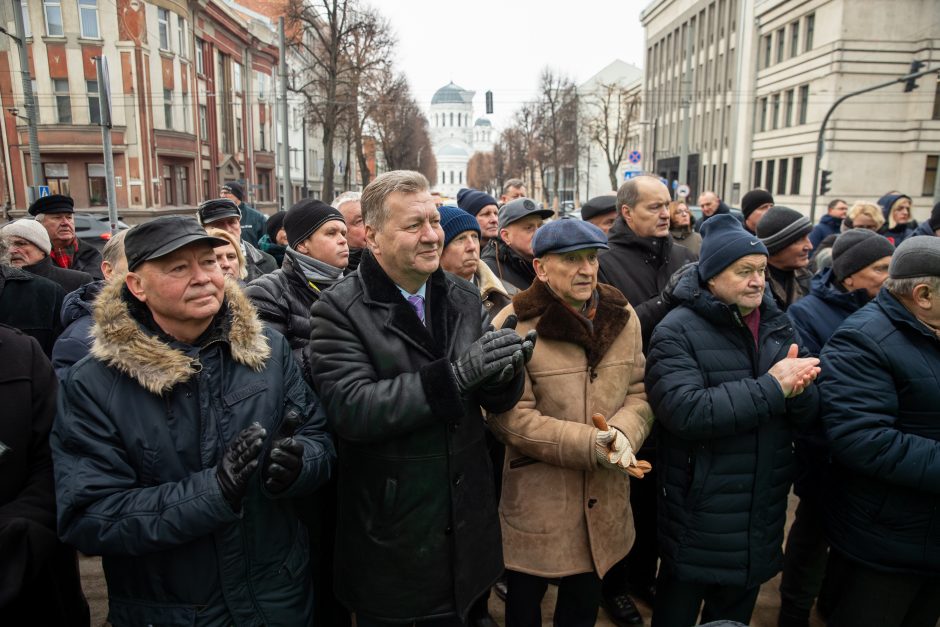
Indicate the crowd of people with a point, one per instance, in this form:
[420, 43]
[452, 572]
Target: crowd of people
[383, 409]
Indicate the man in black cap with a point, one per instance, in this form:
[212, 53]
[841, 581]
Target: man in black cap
[252, 221]
[785, 233]
[224, 214]
[484, 208]
[754, 205]
[56, 213]
[601, 211]
[881, 411]
[509, 256]
[180, 444]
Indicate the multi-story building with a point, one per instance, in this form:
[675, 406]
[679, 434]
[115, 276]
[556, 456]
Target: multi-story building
[755, 115]
[455, 138]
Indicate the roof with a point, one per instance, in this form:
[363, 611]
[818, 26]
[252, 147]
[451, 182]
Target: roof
[451, 93]
[451, 150]
[482, 122]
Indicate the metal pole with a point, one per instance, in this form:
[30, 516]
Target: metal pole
[303, 143]
[29, 102]
[285, 150]
[822, 129]
[104, 107]
[685, 104]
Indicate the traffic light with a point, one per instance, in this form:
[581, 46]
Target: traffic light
[489, 102]
[825, 182]
[911, 84]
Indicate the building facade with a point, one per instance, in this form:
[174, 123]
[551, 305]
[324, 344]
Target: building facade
[454, 138]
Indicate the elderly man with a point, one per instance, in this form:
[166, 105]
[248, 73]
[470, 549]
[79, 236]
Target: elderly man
[179, 446]
[727, 386]
[350, 206]
[881, 413]
[829, 224]
[512, 189]
[754, 205]
[785, 233]
[461, 256]
[29, 247]
[56, 213]
[250, 219]
[712, 205]
[484, 208]
[509, 256]
[224, 214]
[399, 361]
[565, 506]
[601, 211]
[30, 303]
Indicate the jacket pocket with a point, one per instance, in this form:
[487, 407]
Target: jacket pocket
[149, 464]
[121, 612]
[298, 558]
[535, 498]
[236, 396]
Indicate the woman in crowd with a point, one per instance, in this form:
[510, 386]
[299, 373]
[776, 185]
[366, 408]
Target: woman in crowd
[680, 227]
[230, 256]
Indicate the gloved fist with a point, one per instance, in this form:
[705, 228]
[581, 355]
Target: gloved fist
[238, 461]
[668, 297]
[492, 359]
[285, 462]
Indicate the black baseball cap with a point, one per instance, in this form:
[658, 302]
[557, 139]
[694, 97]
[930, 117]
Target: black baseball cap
[163, 235]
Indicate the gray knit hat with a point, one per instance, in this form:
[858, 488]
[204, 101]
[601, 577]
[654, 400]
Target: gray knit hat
[31, 231]
[856, 249]
[781, 226]
[916, 257]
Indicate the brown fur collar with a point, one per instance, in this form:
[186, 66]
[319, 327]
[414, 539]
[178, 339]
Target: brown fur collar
[120, 341]
[558, 322]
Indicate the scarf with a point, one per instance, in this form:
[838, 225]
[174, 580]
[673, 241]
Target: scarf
[62, 257]
[319, 275]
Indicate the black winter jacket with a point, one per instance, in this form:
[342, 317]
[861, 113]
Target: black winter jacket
[640, 267]
[70, 280]
[31, 304]
[76, 339]
[418, 530]
[817, 315]
[87, 259]
[880, 387]
[516, 273]
[257, 263]
[725, 444]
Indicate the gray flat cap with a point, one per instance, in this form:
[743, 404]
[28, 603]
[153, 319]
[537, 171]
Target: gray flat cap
[916, 257]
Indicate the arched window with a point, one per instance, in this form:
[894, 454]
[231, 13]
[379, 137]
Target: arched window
[461, 177]
[451, 123]
[452, 174]
[443, 178]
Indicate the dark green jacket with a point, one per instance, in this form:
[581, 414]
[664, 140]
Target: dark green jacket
[252, 222]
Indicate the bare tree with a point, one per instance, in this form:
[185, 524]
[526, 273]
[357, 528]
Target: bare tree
[481, 172]
[609, 113]
[557, 123]
[402, 130]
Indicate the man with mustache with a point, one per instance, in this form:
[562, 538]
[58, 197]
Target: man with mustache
[785, 233]
[56, 213]
[29, 247]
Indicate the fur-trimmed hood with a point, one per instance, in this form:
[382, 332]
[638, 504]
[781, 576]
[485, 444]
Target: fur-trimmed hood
[122, 343]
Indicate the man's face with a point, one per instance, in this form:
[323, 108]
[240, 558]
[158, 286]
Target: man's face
[756, 215]
[355, 227]
[488, 221]
[650, 217]
[742, 283]
[901, 211]
[227, 258]
[870, 278]
[513, 193]
[231, 225]
[182, 288]
[409, 245]
[794, 256]
[839, 210]
[709, 203]
[328, 244]
[572, 275]
[462, 255]
[61, 228]
[24, 253]
[230, 196]
[604, 221]
[518, 235]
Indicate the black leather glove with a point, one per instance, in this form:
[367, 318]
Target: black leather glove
[238, 461]
[495, 356]
[285, 462]
[668, 295]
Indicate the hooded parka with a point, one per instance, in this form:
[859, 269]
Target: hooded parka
[725, 449]
[142, 423]
[561, 512]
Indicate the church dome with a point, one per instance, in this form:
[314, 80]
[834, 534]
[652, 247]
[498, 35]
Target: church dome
[482, 122]
[451, 150]
[452, 94]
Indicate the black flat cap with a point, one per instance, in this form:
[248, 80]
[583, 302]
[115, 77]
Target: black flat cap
[217, 209]
[56, 203]
[161, 236]
[598, 206]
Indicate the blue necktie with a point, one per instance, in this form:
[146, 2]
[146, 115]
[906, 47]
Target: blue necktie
[418, 303]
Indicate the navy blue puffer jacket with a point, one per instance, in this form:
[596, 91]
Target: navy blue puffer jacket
[880, 387]
[725, 450]
[76, 339]
[817, 315]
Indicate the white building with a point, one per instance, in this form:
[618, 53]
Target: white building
[454, 138]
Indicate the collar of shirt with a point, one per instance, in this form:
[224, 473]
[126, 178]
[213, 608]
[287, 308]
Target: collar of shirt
[405, 293]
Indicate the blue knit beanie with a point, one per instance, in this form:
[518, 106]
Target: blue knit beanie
[455, 221]
[473, 201]
[724, 241]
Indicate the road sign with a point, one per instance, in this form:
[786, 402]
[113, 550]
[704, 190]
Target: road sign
[629, 174]
[43, 191]
[683, 190]
[635, 157]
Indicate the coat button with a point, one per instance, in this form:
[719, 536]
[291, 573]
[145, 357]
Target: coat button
[458, 478]
[454, 425]
[591, 503]
[449, 530]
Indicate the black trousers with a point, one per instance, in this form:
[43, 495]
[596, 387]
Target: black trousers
[873, 598]
[804, 564]
[637, 571]
[678, 603]
[578, 600]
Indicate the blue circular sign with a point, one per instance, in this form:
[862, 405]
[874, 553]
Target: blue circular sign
[634, 156]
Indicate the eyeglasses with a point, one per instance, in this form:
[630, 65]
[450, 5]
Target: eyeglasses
[682, 212]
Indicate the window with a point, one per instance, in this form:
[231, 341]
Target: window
[57, 177]
[200, 61]
[788, 109]
[264, 185]
[782, 178]
[168, 108]
[443, 178]
[460, 176]
[794, 39]
[94, 106]
[769, 181]
[237, 76]
[88, 16]
[205, 182]
[53, 11]
[97, 189]
[262, 85]
[184, 107]
[774, 112]
[63, 101]
[763, 115]
[781, 44]
[452, 172]
[204, 123]
[163, 20]
[810, 27]
[936, 101]
[238, 134]
[261, 134]
[804, 103]
[181, 32]
[768, 48]
[930, 175]
[182, 184]
[758, 172]
[167, 185]
[27, 29]
[451, 123]
[797, 174]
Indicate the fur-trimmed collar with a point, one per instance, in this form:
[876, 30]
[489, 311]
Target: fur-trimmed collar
[122, 343]
[487, 280]
[558, 322]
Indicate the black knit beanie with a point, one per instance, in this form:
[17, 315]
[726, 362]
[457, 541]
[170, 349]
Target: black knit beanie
[935, 217]
[857, 249]
[305, 217]
[754, 199]
[274, 224]
[781, 226]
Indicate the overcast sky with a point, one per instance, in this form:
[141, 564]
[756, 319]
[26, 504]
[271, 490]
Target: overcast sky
[503, 45]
